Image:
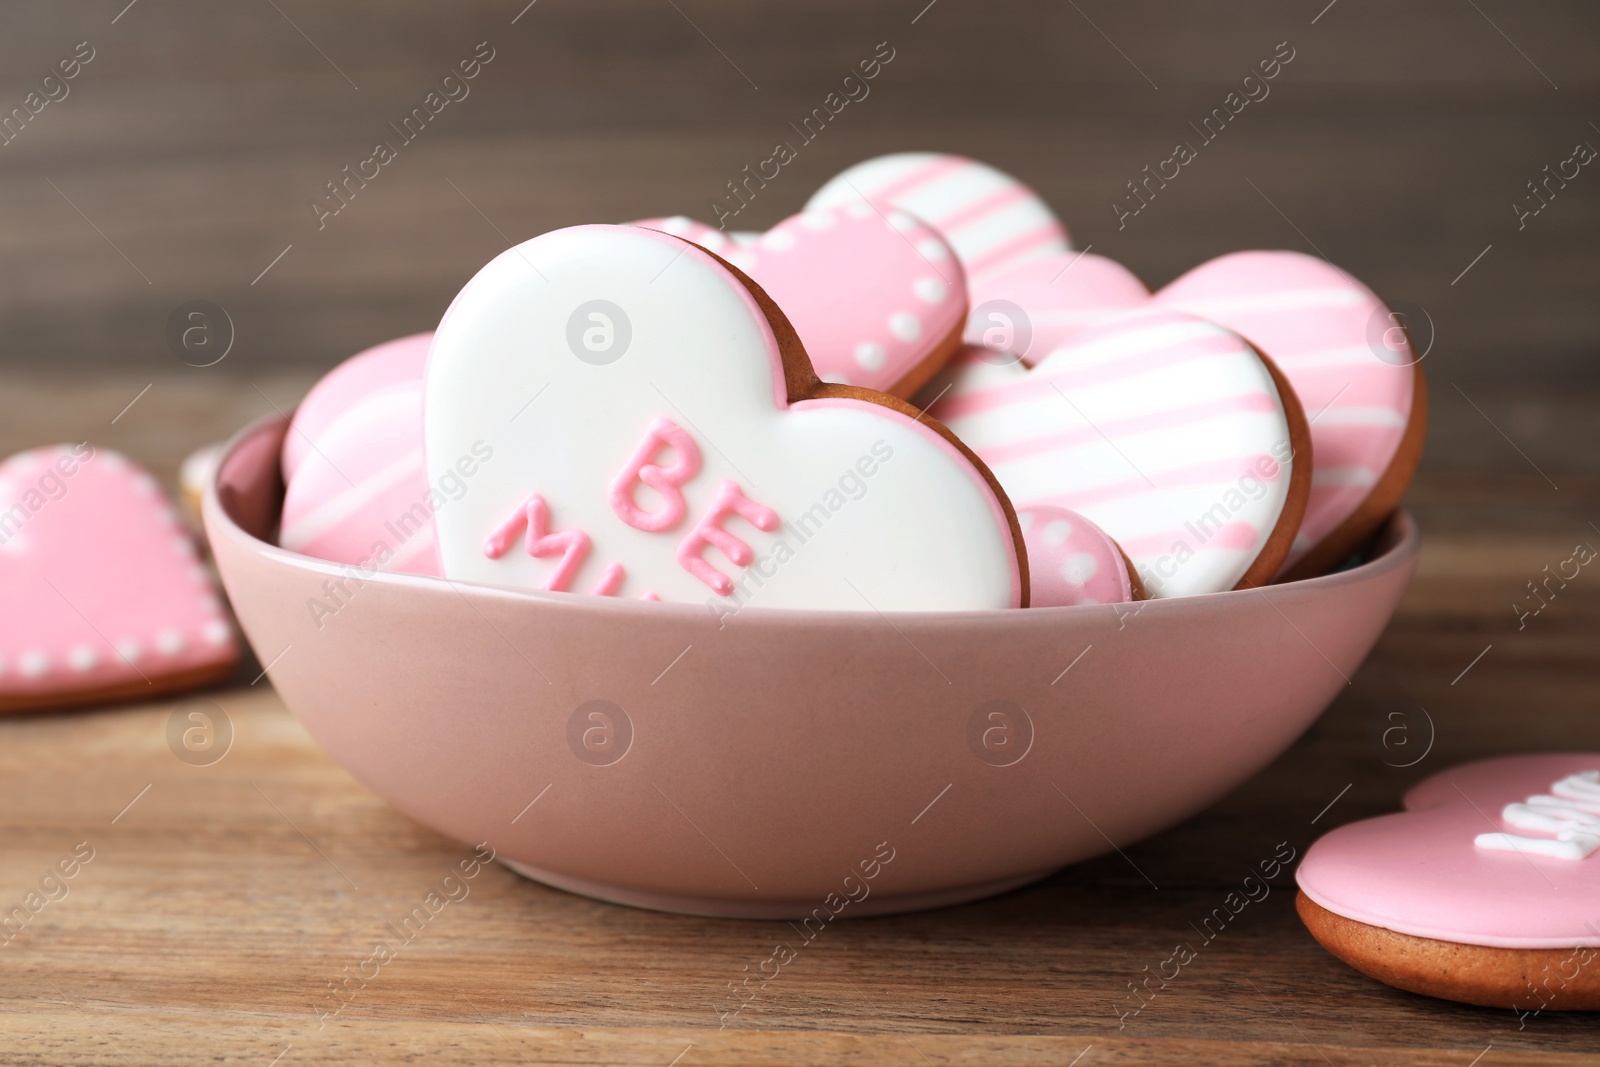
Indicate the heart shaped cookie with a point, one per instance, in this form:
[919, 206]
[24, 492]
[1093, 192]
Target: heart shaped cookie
[1071, 560]
[1350, 360]
[990, 218]
[1169, 432]
[663, 434]
[1485, 889]
[1030, 309]
[392, 363]
[877, 297]
[360, 494]
[106, 598]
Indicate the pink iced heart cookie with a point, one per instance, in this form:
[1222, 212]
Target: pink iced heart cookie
[106, 597]
[876, 296]
[1169, 432]
[361, 496]
[1030, 309]
[990, 218]
[394, 362]
[1348, 357]
[1485, 889]
[664, 436]
[1071, 560]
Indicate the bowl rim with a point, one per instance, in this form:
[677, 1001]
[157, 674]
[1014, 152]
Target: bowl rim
[1399, 529]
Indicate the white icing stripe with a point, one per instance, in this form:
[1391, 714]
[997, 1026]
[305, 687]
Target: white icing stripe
[1571, 815]
[999, 227]
[1293, 300]
[1341, 356]
[346, 504]
[1574, 847]
[1138, 343]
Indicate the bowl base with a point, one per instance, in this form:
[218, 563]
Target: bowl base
[722, 908]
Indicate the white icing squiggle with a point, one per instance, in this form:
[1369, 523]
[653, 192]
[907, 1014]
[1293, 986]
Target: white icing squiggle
[1571, 814]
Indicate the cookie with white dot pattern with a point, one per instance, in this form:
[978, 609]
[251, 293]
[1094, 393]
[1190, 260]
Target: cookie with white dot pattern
[878, 297]
[1071, 561]
[105, 593]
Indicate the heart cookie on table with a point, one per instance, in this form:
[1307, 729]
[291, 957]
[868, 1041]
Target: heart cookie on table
[1169, 432]
[876, 295]
[1350, 360]
[106, 598]
[990, 218]
[664, 435]
[1485, 889]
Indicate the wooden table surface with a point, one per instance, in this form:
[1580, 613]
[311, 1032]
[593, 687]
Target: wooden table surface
[221, 900]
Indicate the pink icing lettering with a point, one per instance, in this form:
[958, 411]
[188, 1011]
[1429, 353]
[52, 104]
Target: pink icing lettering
[533, 515]
[610, 581]
[708, 532]
[662, 433]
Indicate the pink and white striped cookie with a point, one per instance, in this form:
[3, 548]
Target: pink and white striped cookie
[366, 372]
[1029, 309]
[990, 218]
[105, 596]
[362, 496]
[877, 297]
[1169, 432]
[1071, 560]
[1349, 359]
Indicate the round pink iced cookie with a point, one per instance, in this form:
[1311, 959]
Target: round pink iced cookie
[362, 497]
[400, 360]
[1349, 361]
[877, 297]
[103, 589]
[1071, 560]
[1503, 853]
[1030, 309]
[991, 218]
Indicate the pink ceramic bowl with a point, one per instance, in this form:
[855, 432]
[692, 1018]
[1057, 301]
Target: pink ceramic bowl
[639, 753]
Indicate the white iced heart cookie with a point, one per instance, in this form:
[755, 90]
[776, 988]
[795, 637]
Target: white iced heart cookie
[990, 218]
[664, 436]
[1169, 432]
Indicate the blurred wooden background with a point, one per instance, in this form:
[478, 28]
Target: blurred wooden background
[1395, 142]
